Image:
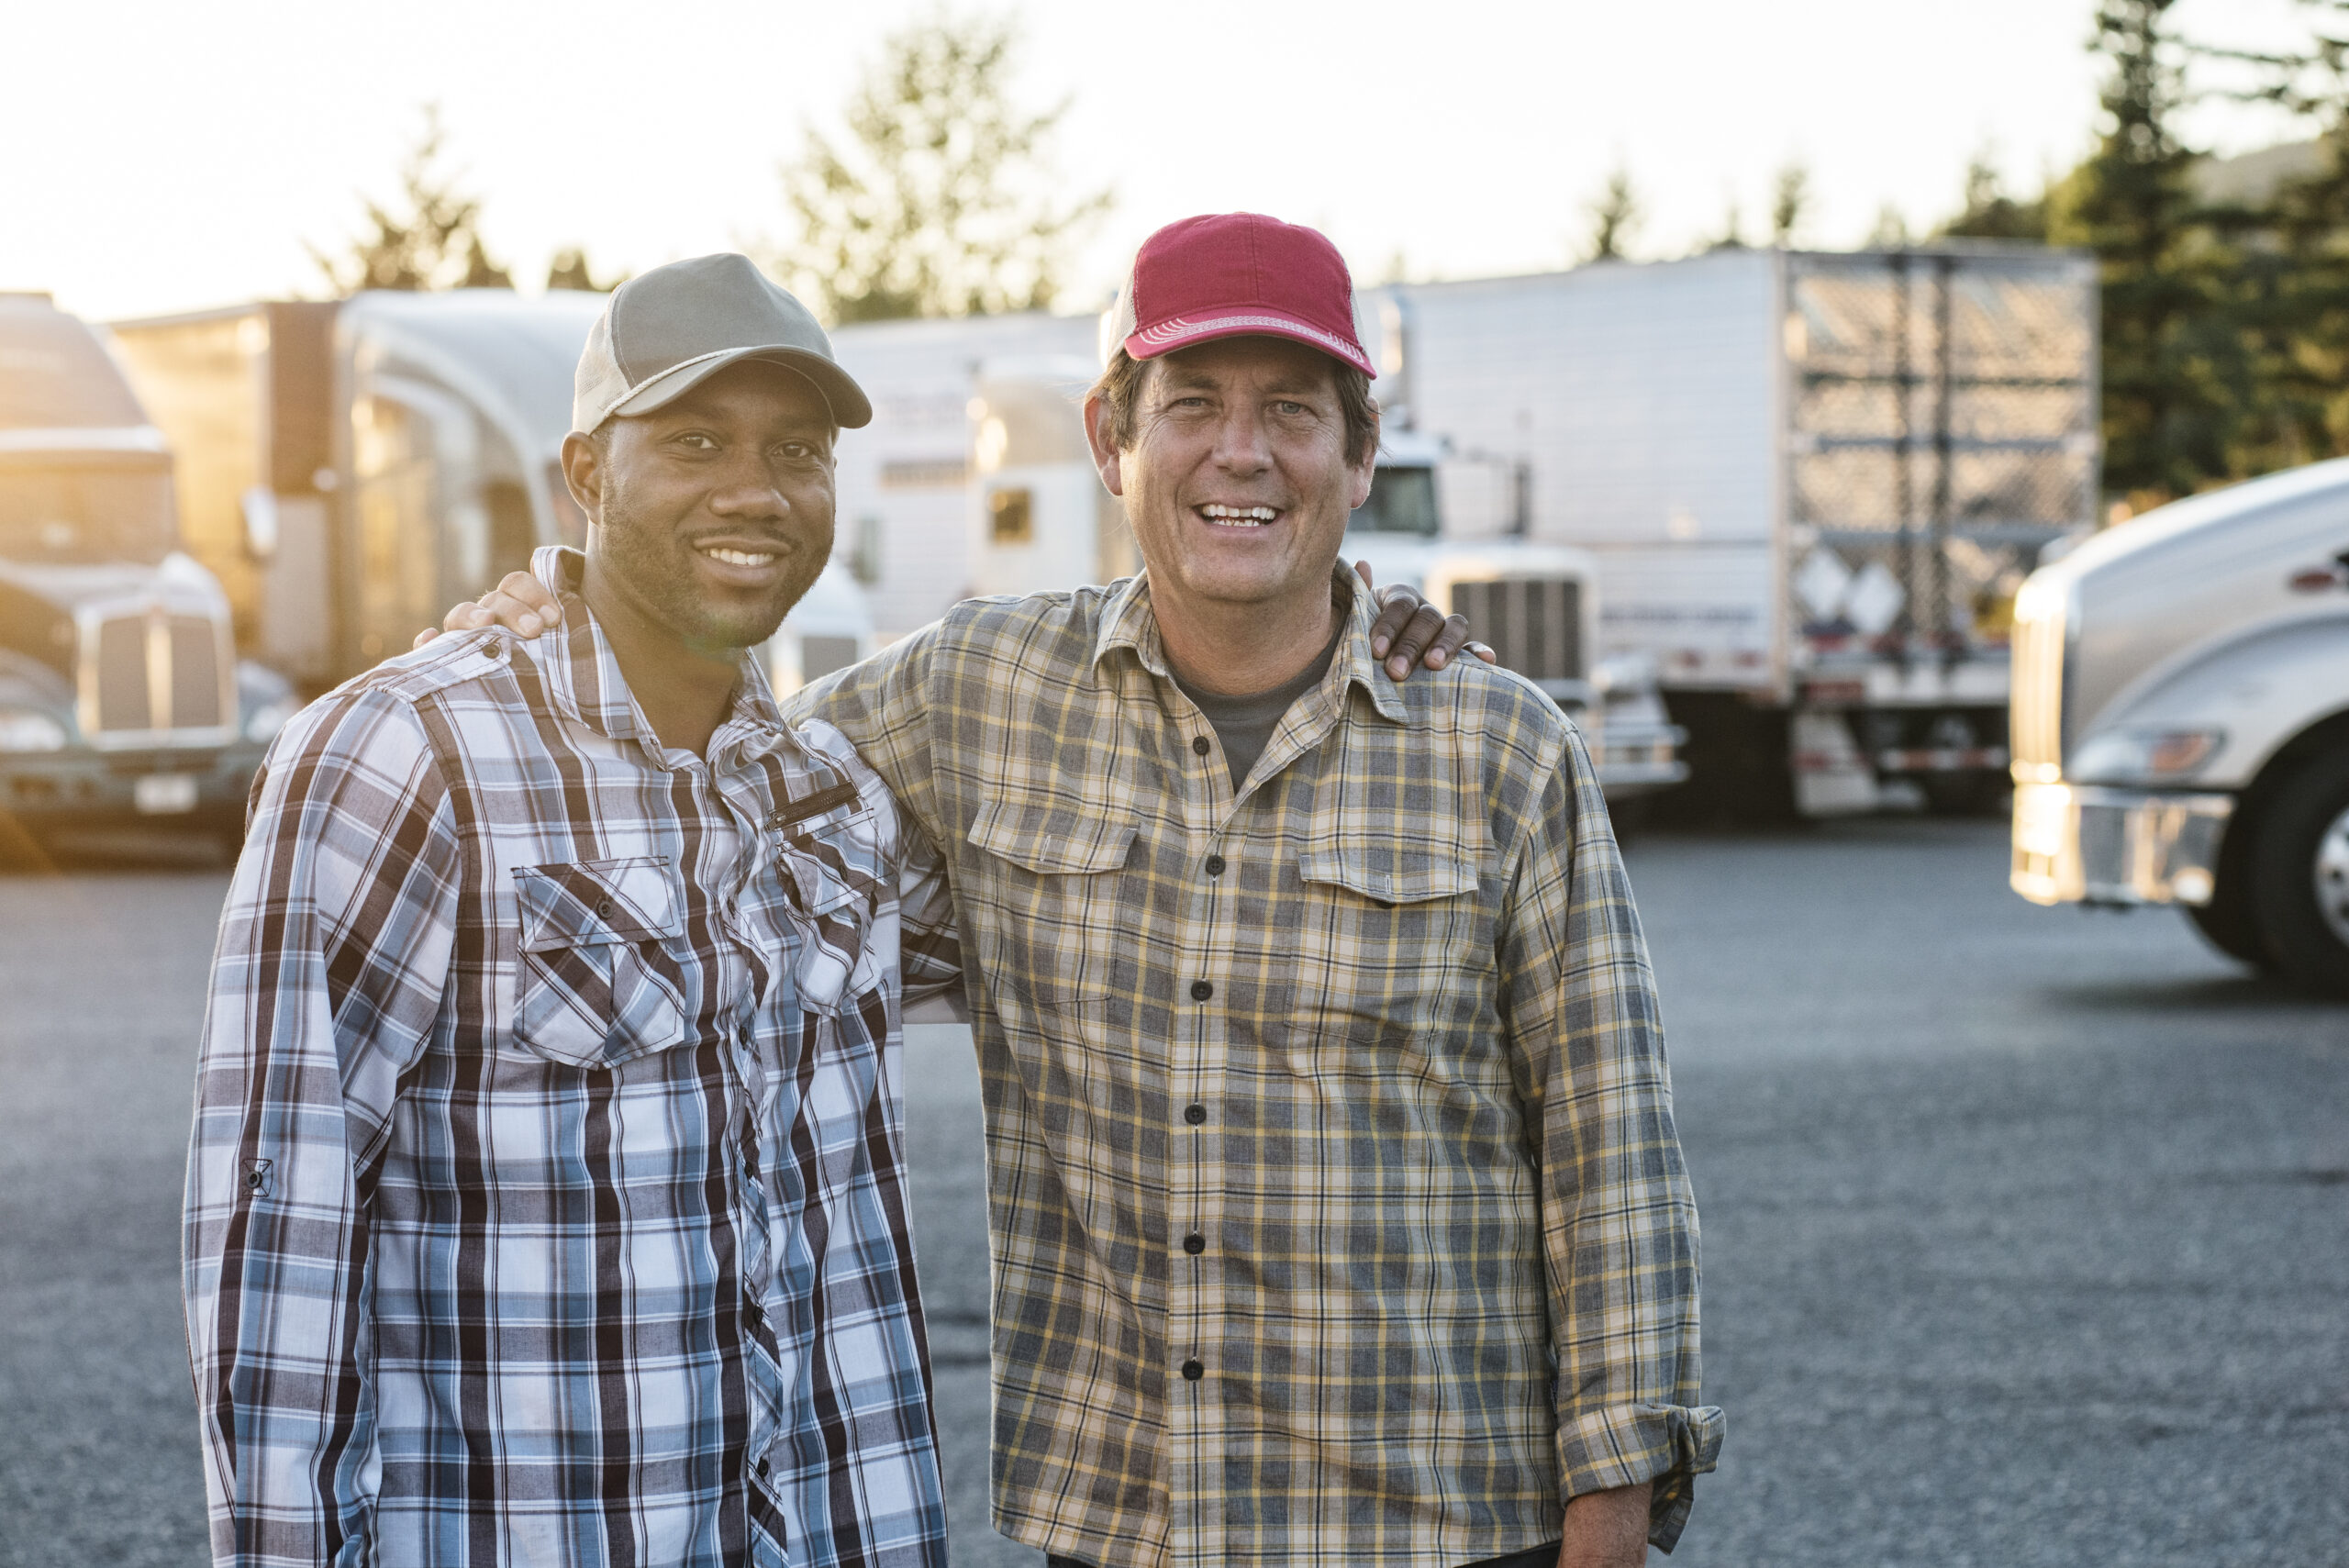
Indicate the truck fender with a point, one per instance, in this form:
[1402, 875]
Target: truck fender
[2264, 687]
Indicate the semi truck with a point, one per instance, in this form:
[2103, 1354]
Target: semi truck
[354, 468]
[122, 695]
[2181, 721]
[1811, 483]
[1040, 518]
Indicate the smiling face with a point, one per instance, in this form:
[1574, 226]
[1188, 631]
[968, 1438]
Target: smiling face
[712, 516]
[1236, 480]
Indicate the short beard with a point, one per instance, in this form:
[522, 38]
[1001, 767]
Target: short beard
[655, 567]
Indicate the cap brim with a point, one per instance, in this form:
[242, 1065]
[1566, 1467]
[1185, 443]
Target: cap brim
[851, 410]
[1182, 331]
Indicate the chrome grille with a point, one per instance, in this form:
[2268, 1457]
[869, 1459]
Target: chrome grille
[149, 672]
[196, 673]
[1534, 624]
[124, 701]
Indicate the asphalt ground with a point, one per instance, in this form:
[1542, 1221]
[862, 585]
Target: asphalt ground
[2026, 1231]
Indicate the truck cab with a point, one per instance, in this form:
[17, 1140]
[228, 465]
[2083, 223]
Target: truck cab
[121, 696]
[2180, 717]
[1535, 605]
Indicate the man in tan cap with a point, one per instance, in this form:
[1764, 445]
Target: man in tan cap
[546, 1201]
[1336, 1211]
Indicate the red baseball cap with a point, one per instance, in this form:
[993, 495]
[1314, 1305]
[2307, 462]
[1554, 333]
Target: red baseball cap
[1234, 275]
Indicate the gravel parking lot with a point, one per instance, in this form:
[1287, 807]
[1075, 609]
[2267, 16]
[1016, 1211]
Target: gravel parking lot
[2026, 1231]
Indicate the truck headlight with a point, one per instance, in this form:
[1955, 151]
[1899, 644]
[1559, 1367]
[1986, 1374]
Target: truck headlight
[2131, 756]
[29, 729]
[264, 723]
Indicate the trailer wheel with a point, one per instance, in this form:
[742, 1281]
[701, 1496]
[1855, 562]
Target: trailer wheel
[2299, 876]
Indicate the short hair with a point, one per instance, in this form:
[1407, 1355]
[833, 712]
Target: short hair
[1120, 390]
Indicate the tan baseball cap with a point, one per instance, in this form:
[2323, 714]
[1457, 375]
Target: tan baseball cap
[665, 332]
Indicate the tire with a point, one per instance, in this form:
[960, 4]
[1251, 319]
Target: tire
[2226, 925]
[2299, 876]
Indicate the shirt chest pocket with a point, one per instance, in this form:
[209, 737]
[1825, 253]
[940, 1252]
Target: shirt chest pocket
[1391, 935]
[829, 855]
[597, 983]
[1052, 927]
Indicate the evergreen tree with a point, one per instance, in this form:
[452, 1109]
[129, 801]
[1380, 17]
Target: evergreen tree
[939, 202]
[569, 270]
[1789, 203]
[2170, 355]
[1991, 214]
[1615, 216]
[2288, 291]
[430, 239]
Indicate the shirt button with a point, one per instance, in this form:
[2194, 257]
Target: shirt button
[1195, 1114]
[1214, 865]
[1199, 744]
[1195, 1243]
[1194, 1370]
[763, 1469]
[1201, 990]
[604, 908]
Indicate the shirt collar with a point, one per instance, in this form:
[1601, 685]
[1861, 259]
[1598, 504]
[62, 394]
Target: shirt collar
[1127, 622]
[584, 680]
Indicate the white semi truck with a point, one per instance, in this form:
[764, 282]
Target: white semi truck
[352, 469]
[1811, 483]
[2181, 721]
[121, 696]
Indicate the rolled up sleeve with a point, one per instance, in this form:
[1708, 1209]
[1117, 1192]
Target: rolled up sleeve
[1618, 1221]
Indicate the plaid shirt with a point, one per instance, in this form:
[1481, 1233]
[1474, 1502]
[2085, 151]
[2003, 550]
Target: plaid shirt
[546, 1201]
[1337, 1214]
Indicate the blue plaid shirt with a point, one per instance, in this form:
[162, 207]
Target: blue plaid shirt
[546, 1201]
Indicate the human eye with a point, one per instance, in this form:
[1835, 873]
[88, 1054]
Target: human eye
[695, 441]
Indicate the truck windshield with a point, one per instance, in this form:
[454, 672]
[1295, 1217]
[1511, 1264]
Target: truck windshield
[85, 515]
[1402, 501]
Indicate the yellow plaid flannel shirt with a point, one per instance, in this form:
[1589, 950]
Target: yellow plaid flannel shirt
[1336, 1208]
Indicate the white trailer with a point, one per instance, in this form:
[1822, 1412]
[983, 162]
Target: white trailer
[906, 479]
[1812, 482]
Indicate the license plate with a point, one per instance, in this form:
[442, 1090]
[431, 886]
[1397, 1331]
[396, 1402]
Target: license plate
[160, 795]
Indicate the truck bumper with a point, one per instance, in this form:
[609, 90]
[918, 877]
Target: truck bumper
[1637, 759]
[2088, 844]
[43, 792]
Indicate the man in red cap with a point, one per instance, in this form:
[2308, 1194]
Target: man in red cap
[1337, 1212]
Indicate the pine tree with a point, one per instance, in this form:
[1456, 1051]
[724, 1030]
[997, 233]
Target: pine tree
[939, 203]
[1789, 203]
[431, 241]
[1991, 214]
[2170, 355]
[2288, 282]
[1615, 217]
[569, 270]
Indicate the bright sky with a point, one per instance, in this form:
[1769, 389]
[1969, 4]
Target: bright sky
[156, 155]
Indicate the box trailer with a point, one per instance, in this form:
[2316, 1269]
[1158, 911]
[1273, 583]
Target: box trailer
[1814, 484]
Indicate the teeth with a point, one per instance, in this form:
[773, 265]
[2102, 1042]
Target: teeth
[738, 557]
[1240, 517]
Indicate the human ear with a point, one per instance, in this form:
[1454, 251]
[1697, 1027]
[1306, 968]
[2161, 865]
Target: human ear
[1104, 444]
[583, 473]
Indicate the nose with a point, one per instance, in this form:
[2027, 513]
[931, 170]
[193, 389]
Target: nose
[1241, 448]
[748, 492]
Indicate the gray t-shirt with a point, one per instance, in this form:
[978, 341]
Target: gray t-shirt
[1245, 723]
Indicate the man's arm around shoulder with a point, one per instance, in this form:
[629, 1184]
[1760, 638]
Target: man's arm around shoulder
[328, 975]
